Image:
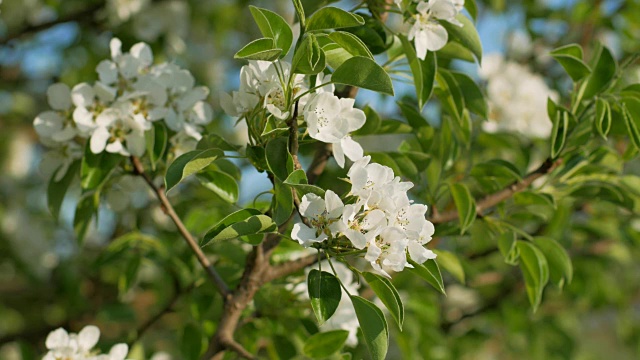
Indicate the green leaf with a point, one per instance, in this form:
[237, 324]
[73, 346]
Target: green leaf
[257, 157]
[496, 168]
[373, 325]
[273, 26]
[465, 204]
[473, 98]
[324, 344]
[332, 18]
[507, 246]
[373, 34]
[255, 224]
[570, 57]
[413, 115]
[324, 293]
[309, 57]
[298, 181]
[472, 8]
[282, 202]
[85, 210]
[278, 157]
[351, 43]
[602, 74]
[58, 189]
[630, 108]
[424, 72]
[188, 164]
[191, 344]
[388, 294]
[454, 50]
[221, 183]
[466, 35]
[430, 272]
[229, 220]
[215, 141]
[260, 49]
[535, 270]
[156, 141]
[602, 120]
[128, 276]
[450, 262]
[559, 132]
[96, 168]
[560, 268]
[363, 72]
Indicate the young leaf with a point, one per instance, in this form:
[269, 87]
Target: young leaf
[221, 183]
[87, 207]
[473, 98]
[373, 325]
[388, 294]
[363, 72]
[230, 219]
[282, 202]
[570, 57]
[332, 18]
[260, 49]
[254, 224]
[351, 43]
[309, 57]
[602, 74]
[156, 142]
[535, 270]
[560, 268]
[95, 168]
[325, 293]
[430, 272]
[507, 246]
[465, 204]
[450, 262]
[278, 158]
[215, 141]
[559, 132]
[424, 72]
[57, 189]
[630, 109]
[602, 120]
[466, 35]
[273, 26]
[191, 344]
[298, 180]
[324, 344]
[188, 164]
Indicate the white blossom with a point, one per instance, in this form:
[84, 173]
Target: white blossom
[331, 120]
[69, 346]
[427, 32]
[323, 215]
[118, 133]
[57, 124]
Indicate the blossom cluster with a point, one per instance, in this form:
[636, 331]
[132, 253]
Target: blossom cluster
[517, 98]
[382, 220]
[271, 86]
[70, 346]
[426, 31]
[113, 113]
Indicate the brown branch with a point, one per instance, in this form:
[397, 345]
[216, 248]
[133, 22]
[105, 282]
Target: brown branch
[291, 267]
[504, 194]
[217, 280]
[84, 15]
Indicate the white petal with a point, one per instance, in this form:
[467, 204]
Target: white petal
[338, 153]
[352, 148]
[118, 352]
[136, 143]
[116, 147]
[357, 239]
[419, 253]
[191, 97]
[312, 206]
[48, 123]
[436, 37]
[334, 204]
[373, 252]
[128, 66]
[442, 9]
[227, 104]
[107, 72]
[99, 140]
[305, 235]
[57, 338]
[104, 92]
[83, 95]
[88, 337]
[142, 52]
[115, 45]
[59, 96]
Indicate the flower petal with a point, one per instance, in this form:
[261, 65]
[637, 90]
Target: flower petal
[88, 337]
[59, 96]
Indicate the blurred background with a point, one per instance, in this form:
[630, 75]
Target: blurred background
[123, 273]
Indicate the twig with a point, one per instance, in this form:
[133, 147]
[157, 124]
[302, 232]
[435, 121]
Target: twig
[291, 267]
[504, 194]
[221, 286]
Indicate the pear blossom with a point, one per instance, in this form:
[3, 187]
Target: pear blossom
[63, 345]
[323, 215]
[57, 160]
[118, 133]
[427, 32]
[90, 101]
[331, 120]
[57, 124]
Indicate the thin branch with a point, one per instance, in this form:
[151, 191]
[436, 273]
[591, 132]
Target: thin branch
[291, 267]
[217, 280]
[502, 195]
[293, 138]
[84, 15]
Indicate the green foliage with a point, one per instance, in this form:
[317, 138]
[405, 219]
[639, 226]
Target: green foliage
[430, 272]
[570, 57]
[332, 18]
[260, 49]
[324, 344]
[363, 72]
[273, 26]
[373, 325]
[388, 294]
[324, 293]
[189, 164]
